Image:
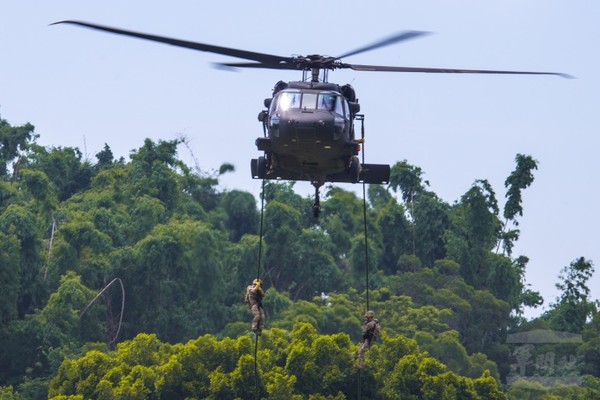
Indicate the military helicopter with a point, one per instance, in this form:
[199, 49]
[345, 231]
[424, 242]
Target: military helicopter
[308, 125]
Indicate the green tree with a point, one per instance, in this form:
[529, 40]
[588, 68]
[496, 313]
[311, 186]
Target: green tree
[342, 219]
[8, 194]
[488, 321]
[396, 233]
[379, 196]
[153, 172]
[283, 192]
[38, 186]
[320, 363]
[280, 386]
[431, 221]
[21, 224]
[241, 264]
[475, 229]
[148, 212]
[363, 256]
[62, 319]
[242, 215]
[7, 393]
[317, 271]
[406, 178]
[15, 141]
[180, 263]
[64, 167]
[79, 246]
[282, 224]
[573, 307]
[10, 277]
[105, 158]
[521, 178]
[35, 345]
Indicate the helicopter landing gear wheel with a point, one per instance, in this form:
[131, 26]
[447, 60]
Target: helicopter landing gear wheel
[354, 169]
[261, 167]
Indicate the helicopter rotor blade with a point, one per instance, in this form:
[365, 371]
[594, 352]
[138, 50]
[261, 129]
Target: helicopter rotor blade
[398, 37]
[271, 61]
[358, 67]
[283, 65]
[249, 55]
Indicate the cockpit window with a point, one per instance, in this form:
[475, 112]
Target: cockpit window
[326, 102]
[331, 102]
[288, 100]
[309, 101]
[339, 105]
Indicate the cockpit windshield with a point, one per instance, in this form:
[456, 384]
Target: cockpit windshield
[325, 101]
[288, 100]
[309, 101]
[330, 102]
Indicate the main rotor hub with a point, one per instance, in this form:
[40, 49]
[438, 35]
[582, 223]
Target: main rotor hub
[314, 61]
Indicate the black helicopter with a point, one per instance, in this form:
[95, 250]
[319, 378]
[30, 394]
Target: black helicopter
[308, 126]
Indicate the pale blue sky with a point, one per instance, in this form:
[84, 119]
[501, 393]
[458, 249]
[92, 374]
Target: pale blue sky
[83, 88]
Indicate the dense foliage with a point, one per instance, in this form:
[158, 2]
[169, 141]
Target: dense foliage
[125, 279]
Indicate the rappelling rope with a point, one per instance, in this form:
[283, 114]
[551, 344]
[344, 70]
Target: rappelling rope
[362, 132]
[256, 388]
[366, 245]
[262, 208]
[260, 239]
[366, 262]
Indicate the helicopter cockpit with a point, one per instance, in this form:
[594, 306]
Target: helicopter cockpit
[290, 99]
[304, 112]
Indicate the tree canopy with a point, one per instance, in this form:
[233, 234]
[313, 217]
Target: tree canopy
[184, 250]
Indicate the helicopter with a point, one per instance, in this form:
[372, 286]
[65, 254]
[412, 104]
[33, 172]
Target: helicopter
[308, 125]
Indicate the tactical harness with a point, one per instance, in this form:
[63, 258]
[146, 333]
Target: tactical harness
[371, 334]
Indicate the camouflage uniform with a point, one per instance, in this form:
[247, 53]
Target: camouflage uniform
[253, 299]
[371, 329]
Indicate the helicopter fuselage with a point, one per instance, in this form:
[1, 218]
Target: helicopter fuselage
[310, 134]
